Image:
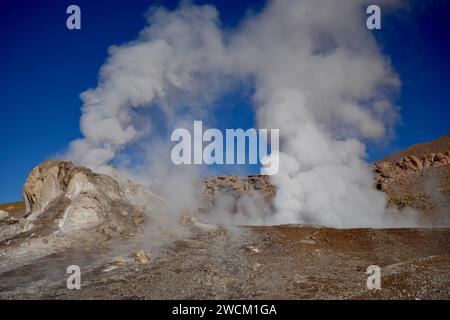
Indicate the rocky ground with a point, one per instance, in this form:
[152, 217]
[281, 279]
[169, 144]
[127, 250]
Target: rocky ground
[284, 262]
[113, 230]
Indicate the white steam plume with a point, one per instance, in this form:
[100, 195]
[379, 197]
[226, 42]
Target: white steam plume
[319, 77]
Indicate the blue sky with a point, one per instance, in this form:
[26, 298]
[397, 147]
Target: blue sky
[44, 67]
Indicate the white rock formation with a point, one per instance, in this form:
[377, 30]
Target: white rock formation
[79, 198]
[74, 207]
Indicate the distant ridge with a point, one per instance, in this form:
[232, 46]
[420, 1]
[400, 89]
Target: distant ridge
[441, 144]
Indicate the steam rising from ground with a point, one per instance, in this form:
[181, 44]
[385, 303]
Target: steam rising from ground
[318, 75]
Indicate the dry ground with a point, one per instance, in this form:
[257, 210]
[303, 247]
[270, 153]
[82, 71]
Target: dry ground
[282, 262]
[15, 209]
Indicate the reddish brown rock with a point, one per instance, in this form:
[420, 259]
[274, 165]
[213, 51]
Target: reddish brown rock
[440, 160]
[238, 185]
[416, 162]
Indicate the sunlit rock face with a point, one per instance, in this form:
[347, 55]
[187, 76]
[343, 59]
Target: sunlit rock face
[45, 183]
[68, 207]
[76, 198]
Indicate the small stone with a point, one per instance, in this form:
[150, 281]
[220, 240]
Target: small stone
[138, 220]
[253, 249]
[110, 268]
[119, 261]
[257, 266]
[308, 241]
[187, 218]
[141, 256]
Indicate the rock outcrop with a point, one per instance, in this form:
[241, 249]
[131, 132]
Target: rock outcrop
[236, 199]
[239, 185]
[87, 191]
[421, 181]
[62, 197]
[388, 171]
[74, 209]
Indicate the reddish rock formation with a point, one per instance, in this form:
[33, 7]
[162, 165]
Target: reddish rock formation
[238, 185]
[405, 179]
[386, 172]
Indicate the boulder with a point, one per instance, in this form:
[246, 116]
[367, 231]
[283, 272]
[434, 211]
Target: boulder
[416, 162]
[440, 160]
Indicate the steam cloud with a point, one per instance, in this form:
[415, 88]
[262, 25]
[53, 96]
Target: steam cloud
[318, 75]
